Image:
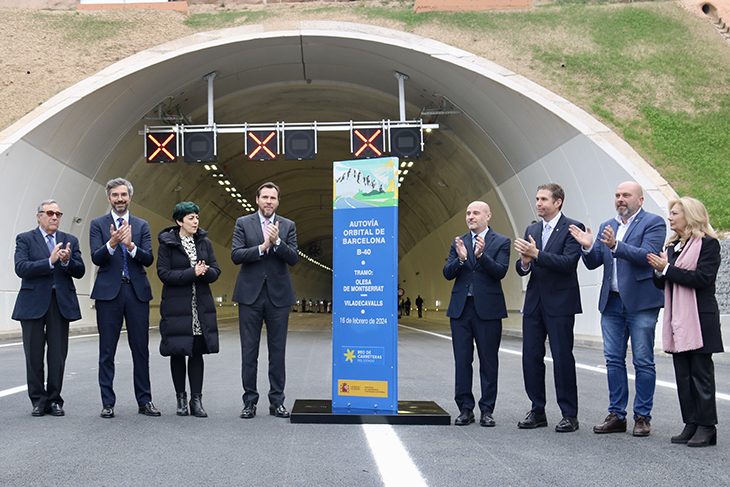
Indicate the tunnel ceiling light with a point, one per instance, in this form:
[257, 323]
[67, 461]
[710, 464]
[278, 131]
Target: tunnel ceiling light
[221, 183]
[227, 182]
[410, 164]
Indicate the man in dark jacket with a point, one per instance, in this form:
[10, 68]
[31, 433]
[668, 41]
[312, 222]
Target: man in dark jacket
[478, 261]
[47, 261]
[264, 245]
[121, 246]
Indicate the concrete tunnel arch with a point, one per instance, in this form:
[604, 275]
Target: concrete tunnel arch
[508, 136]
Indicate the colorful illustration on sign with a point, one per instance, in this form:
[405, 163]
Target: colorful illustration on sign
[366, 183]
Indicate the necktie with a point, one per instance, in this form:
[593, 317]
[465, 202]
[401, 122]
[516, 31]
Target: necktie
[546, 230]
[125, 267]
[266, 232]
[50, 243]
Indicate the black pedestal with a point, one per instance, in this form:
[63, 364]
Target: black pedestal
[409, 412]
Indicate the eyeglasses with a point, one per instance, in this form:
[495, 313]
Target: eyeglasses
[51, 214]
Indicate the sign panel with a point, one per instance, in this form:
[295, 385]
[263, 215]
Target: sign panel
[367, 143]
[161, 147]
[365, 286]
[261, 145]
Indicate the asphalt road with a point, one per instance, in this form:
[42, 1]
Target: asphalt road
[83, 449]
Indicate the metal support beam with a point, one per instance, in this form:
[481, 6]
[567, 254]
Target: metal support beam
[211, 101]
[401, 94]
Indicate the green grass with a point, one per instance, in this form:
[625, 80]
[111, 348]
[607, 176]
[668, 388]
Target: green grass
[221, 20]
[85, 29]
[642, 69]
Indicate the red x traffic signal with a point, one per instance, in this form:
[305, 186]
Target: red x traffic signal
[261, 145]
[367, 143]
[161, 147]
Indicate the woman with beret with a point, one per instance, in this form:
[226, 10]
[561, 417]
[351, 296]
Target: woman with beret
[187, 266]
[691, 333]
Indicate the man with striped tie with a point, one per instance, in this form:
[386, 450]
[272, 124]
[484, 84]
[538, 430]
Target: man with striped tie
[122, 247]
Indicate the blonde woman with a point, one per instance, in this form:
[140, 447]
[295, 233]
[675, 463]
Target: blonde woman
[686, 271]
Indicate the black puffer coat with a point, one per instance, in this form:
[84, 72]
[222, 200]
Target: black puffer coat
[175, 272]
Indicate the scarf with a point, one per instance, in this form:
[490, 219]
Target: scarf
[682, 331]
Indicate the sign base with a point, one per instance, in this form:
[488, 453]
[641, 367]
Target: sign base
[319, 411]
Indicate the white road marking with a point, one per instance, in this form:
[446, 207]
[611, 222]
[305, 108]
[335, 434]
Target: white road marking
[14, 390]
[601, 370]
[395, 465]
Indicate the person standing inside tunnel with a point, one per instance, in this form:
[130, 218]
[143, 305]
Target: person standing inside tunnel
[478, 261]
[187, 266]
[47, 261]
[550, 255]
[419, 305]
[121, 246]
[264, 245]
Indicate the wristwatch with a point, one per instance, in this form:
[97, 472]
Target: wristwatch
[278, 242]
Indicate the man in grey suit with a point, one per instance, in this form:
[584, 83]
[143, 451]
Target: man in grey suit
[264, 245]
[47, 261]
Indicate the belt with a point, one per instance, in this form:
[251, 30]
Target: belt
[614, 293]
[126, 280]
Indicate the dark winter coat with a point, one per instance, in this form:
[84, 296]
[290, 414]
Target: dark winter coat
[177, 276]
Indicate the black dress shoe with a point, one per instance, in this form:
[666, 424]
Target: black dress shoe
[567, 425]
[466, 417]
[38, 411]
[149, 409]
[249, 410]
[487, 419]
[533, 420]
[278, 410]
[55, 409]
[107, 411]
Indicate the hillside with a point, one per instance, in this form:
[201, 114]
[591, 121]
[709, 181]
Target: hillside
[656, 72]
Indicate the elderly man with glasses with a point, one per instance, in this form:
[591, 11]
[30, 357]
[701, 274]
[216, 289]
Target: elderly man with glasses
[47, 260]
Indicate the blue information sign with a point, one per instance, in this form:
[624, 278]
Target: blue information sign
[365, 287]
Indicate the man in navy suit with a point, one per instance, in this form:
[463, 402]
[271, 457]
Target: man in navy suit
[629, 303]
[550, 256]
[47, 261]
[122, 247]
[264, 245]
[478, 261]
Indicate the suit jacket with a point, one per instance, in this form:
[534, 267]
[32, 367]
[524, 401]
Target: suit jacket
[247, 236]
[484, 275]
[702, 280]
[38, 278]
[645, 235]
[109, 276]
[553, 275]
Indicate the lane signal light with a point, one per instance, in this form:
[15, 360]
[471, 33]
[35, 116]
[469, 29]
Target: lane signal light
[299, 144]
[161, 147]
[367, 143]
[199, 146]
[261, 145]
[406, 141]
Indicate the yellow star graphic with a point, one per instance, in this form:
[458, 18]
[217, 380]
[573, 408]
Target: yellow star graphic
[349, 356]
